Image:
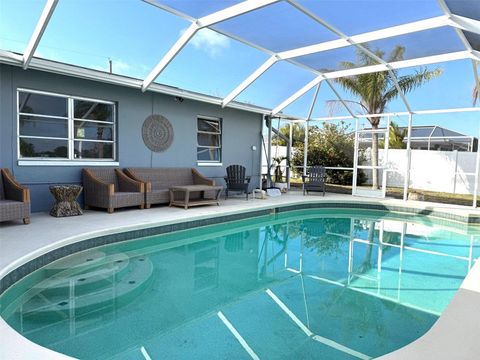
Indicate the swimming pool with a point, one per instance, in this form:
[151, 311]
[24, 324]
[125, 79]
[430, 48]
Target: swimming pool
[304, 284]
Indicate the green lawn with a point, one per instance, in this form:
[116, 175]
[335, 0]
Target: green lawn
[397, 193]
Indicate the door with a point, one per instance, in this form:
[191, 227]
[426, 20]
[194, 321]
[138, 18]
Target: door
[370, 166]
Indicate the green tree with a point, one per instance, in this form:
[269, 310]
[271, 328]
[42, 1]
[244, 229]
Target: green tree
[376, 90]
[298, 135]
[332, 145]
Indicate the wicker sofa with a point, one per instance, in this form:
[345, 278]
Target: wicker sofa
[14, 199]
[110, 188]
[157, 182]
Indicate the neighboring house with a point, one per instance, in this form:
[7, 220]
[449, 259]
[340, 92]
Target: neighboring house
[57, 119]
[433, 137]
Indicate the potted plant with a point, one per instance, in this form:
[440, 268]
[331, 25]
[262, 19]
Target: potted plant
[278, 173]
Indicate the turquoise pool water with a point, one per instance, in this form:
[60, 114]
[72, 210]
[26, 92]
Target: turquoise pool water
[301, 285]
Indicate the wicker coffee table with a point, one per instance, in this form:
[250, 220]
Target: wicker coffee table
[186, 202]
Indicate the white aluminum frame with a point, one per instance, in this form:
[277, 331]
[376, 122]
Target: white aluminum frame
[38, 32]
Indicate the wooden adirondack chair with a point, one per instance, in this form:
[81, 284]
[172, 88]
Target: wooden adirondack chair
[236, 180]
[314, 180]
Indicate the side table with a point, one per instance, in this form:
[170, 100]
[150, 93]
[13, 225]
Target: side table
[66, 200]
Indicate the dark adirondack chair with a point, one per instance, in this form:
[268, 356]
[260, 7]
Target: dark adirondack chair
[236, 180]
[314, 180]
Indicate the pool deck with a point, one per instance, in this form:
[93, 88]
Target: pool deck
[454, 335]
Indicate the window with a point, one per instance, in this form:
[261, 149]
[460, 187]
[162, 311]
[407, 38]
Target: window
[60, 127]
[209, 139]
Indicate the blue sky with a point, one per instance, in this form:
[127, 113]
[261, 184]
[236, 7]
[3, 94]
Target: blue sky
[135, 35]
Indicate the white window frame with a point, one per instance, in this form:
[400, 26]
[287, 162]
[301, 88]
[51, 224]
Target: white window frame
[220, 134]
[70, 160]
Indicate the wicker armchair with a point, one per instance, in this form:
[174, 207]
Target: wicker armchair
[111, 189]
[14, 199]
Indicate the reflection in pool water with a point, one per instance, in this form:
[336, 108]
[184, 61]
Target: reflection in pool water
[308, 284]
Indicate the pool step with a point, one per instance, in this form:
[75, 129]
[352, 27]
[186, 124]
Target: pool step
[137, 278]
[114, 266]
[75, 262]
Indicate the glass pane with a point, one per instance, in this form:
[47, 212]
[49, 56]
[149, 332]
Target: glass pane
[209, 125]
[43, 126]
[93, 131]
[467, 8]
[93, 110]
[93, 150]
[359, 16]
[205, 154]
[42, 104]
[43, 148]
[423, 43]
[208, 140]
[277, 27]
[196, 8]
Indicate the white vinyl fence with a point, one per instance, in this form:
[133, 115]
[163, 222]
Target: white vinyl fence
[442, 171]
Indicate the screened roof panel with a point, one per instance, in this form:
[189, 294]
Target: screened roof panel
[275, 85]
[198, 8]
[465, 8]
[423, 43]
[453, 88]
[301, 106]
[93, 40]
[328, 104]
[440, 131]
[277, 27]
[332, 60]
[17, 22]
[205, 64]
[473, 39]
[354, 17]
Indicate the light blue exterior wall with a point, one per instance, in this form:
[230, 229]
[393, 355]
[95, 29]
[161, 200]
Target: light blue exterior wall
[241, 130]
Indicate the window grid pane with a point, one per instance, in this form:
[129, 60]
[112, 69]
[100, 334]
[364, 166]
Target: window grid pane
[43, 148]
[93, 150]
[92, 110]
[43, 126]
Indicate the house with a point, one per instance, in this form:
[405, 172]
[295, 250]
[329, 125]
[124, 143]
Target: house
[56, 119]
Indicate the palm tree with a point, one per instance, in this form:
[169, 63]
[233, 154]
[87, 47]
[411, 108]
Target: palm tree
[396, 136]
[376, 90]
[476, 94]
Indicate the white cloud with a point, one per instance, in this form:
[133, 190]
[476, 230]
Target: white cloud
[210, 41]
[120, 66]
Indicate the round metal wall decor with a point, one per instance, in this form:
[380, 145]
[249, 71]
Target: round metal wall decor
[157, 133]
